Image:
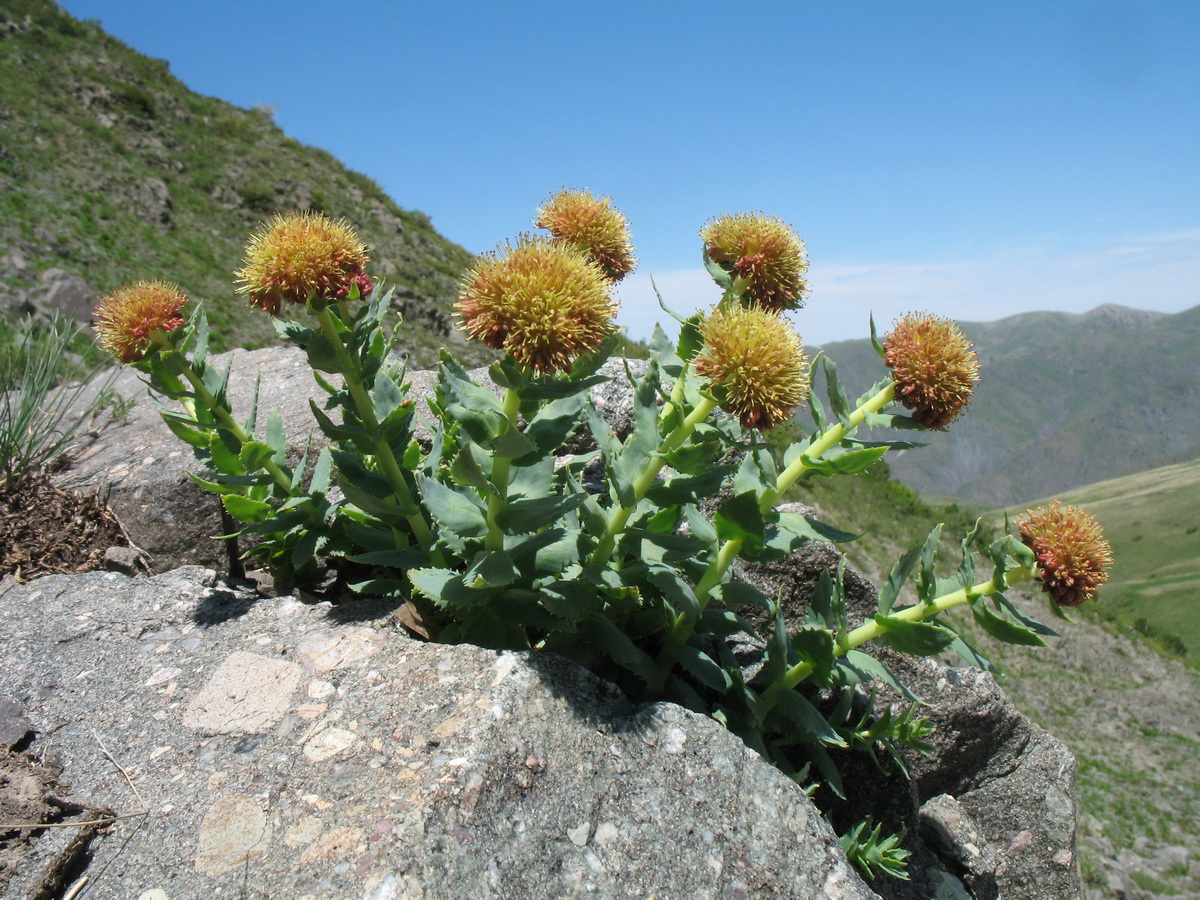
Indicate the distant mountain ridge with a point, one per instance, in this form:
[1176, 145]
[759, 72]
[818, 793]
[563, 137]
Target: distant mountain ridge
[1065, 400]
[111, 169]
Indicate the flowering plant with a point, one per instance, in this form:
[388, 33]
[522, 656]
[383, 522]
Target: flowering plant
[619, 558]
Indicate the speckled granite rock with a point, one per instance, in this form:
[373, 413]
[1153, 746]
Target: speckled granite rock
[302, 751]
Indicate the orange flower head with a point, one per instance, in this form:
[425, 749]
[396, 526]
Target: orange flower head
[755, 365]
[1073, 558]
[933, 366]
[542, 301]
[127, 318]
[593, 226]
[302, 255]
[764, 251]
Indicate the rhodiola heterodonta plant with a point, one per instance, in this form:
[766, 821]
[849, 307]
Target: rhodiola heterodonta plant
[620, 558]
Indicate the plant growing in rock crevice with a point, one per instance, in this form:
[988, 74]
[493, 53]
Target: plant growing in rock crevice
[607, 558]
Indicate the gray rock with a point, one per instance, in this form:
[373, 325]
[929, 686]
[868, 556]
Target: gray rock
[280, 749]
[153, 201]
[65, 293]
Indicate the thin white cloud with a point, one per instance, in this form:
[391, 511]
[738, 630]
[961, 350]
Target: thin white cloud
[1159, 272]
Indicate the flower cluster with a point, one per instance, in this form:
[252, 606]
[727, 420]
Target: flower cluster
[933, 367]
[299, 256]
[542, 301]
[765, 252]
[1073, 558]
[127, 318]
[755, 364]
[593, 226]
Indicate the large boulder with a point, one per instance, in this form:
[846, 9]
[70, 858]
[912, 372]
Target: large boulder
[272, 748]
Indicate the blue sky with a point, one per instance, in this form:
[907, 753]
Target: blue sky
[973, 159]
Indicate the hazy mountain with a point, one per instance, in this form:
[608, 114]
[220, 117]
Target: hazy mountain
[111, 170]
[1065, 400]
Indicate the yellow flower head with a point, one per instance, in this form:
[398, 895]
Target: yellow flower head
[933, 366]
[764, 251]
[299, 256]
[127, 318]
[755, 365]
[593, 226]
[542, 301]
[1073, 557]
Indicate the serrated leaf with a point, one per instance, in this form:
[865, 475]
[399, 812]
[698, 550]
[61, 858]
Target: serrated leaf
[1002, 629]
[867, 668]
[690, 340]
[465, 469]
[519, 516]
[805, 718]
[386, 396]
[739, 519]
[255, 455]
[914, 638]
[186, 433]
[492, 568]
[322, 355]
[700, 666]
[739, 593]
[608, 639]
[813, 529]
[460, 514]
[899, 574]
[838, 401]
[392, 558]
[927, 577]
[512, 444]
[322, 472]
[446, 589]
[244, 509]
[547, 389]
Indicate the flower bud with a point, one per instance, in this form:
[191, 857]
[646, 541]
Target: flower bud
[755, 365]
[302, 255]
[542, 301]
[593, 226]
[126, 318]
[933, 366]
[1072, 555]
[765, 252]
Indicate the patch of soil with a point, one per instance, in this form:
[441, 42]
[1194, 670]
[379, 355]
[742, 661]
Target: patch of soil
[47, 531]
[26, 787]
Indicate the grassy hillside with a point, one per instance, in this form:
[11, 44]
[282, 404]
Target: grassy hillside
[111, 169]
[1065, 400]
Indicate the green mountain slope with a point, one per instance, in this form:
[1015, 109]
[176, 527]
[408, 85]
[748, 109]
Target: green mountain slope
[1065, 400]
[111, 169]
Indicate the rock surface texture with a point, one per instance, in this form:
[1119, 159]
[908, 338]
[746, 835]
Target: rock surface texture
[280, 749]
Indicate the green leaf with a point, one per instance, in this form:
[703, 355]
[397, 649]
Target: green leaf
[738, 593]
[914, 638]
[643, 440]
[224, 459]
[322, 471]
[392, 558]
[465, 469]
[723, 279]
[683, 489]
[855, 461]
[805, 718]
[896, 579]
[446, 589]
[244, 509]
[554, 423]
[867, 668]
[837, 397]
[571, 600]
[1002, 629]
[694, 457]
[460, 514]
[739, 518]
[608, 639]
[816, 647]
[492, 568]
[512, 444]
[927, 578]
[547, 389]
[700, 666]
[386, 396]
[690, 340]
[255, 455]
[874, 339]
[322, 355]
[520, 516]
[185, 433]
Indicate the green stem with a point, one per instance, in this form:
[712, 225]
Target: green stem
[873, 628]
[383, 451]
[618, 517]
[823, 443]
[501, 467]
